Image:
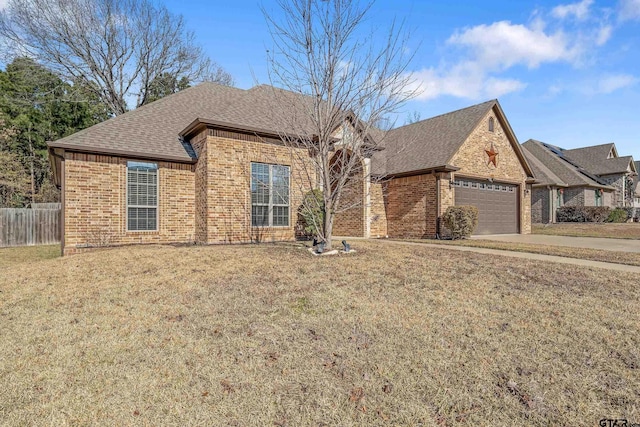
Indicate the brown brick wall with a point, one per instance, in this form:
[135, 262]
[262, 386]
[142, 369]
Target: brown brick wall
[201, 190]
[540, 207]
[411, 207]
[95, 203]
[228, 175]
[378, 211]
[351, 221]
[473, 163]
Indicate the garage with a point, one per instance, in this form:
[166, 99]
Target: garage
[497, 204]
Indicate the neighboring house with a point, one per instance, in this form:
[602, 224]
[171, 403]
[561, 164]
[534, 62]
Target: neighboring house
[603, 162]
[636, 186]
[191, 168]
[560, 182]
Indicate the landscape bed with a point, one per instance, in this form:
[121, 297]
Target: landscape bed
[270, 335]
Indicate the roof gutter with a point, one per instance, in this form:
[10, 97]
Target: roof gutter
[121, 153]
[443, 168]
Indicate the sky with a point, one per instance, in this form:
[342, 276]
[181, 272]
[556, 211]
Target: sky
[566, 73]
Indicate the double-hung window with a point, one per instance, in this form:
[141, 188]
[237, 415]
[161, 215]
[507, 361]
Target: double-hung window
[598, 197]
[142, 196]
[269, 195]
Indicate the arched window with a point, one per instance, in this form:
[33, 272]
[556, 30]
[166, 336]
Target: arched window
[491, 124]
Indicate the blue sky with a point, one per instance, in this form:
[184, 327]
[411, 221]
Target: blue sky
[567, 73]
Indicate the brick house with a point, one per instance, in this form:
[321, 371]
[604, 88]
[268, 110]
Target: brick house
[207, 165]
[589, 176]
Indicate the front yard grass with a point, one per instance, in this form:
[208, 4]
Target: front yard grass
[27, 254]
[630, 230]
[268, 335]
[617, 257]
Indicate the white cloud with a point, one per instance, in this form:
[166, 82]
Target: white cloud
[614, 82]
[485, 52]
[3, 4]
[578, 10]
[629, 9]
[503, 44]
[604, 34]
[465, 80]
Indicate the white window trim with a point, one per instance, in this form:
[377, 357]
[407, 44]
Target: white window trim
[156, 207]
[271, 205]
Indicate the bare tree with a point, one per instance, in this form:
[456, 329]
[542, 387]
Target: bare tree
[346, 85]
[118, 47]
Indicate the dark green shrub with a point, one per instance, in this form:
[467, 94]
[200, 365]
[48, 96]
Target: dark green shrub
[461, 220]
[582, 213]
[617, 215]
[312, 212]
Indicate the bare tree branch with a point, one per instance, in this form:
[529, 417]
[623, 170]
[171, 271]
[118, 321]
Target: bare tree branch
[348, 85]
[119, 47]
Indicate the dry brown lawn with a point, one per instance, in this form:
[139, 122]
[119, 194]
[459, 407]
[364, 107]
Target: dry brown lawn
[271, 336]
[27, 254]
[617, 257]
[629, 230]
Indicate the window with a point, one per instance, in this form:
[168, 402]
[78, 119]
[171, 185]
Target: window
[142, 196]
[598, 197]
[491, 124]
[560, 197]
[269, 195]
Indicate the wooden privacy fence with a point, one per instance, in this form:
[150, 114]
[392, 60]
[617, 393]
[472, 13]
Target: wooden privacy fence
[27, 227]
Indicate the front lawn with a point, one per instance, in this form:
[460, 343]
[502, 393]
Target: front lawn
[629, 230]
[27, 254]
[616, 257]
[271, 336]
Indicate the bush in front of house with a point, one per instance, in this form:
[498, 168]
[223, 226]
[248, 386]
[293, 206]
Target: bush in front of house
[312, 212]
[583, 213]
[618, 215]
[461, 220]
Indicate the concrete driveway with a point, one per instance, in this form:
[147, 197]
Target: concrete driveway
[621, 245]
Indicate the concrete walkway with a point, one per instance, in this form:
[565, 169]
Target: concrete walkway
[620, 245]
[513, 254]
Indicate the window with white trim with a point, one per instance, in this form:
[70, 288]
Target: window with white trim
[142, 196]
[269, 195]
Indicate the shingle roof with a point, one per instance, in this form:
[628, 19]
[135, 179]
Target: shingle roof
[544, 175]
[565, 172]
[153, 130]
[596, 159]
[429, 143]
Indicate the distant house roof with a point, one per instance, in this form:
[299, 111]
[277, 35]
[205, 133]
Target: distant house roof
[551, 168]
[600, 159]
[432, 143]
[544, 175]
[154, 130]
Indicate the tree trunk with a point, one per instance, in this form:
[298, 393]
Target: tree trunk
[328, 229]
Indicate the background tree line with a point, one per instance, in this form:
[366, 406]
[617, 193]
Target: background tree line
[74, 63]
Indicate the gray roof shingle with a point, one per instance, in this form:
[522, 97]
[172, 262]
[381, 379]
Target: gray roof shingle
[154, 130]
[544, 175]
[429, 143]
[563, 171]
[596, 159]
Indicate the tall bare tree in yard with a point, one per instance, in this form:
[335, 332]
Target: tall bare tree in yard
[349, 85]
[118, 47]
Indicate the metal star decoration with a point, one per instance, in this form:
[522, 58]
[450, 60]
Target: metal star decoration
[493, 156]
